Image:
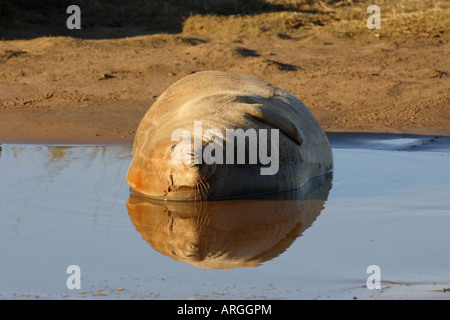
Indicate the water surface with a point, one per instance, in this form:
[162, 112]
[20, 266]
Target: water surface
[387, 204]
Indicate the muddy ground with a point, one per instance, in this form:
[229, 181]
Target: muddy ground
[64, 89]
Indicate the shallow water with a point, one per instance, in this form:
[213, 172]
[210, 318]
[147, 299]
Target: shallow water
[62, 206]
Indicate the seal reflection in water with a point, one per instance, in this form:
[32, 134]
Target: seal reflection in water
[224, 101]
[229, 234]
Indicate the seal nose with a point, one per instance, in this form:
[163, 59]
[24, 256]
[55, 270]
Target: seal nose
[167, 176]
[190, 181]
[188, 171]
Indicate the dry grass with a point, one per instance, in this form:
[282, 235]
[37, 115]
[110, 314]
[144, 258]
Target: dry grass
[283, 23]
[399, 18]
[342, 18]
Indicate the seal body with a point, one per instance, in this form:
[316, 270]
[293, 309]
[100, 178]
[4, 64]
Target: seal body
[223, 102]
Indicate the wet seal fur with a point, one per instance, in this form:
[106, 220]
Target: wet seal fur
[225, 101]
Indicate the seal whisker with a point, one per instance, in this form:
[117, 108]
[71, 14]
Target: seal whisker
[202, 190]
[206, 188]
[198, 191]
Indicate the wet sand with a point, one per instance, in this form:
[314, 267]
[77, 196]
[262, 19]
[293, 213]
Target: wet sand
[67, 90]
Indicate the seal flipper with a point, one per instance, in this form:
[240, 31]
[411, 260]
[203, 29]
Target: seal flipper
[277, 121]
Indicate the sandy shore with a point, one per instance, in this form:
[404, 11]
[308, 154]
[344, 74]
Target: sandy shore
[67, 90]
